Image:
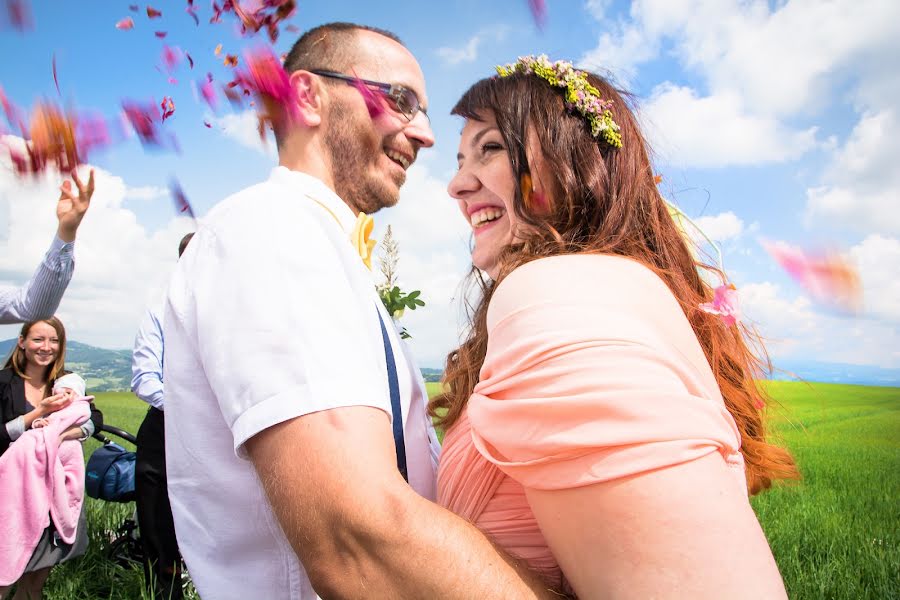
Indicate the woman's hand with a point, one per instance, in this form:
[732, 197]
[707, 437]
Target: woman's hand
[51, 404]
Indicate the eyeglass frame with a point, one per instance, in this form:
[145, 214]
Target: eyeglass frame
[390, 90]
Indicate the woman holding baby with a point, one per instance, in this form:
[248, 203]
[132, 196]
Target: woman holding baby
[43, 412]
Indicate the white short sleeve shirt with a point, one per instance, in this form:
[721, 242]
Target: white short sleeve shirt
[270, 315]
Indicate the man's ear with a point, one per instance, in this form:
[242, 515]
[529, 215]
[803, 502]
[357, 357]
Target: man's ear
[308, 91]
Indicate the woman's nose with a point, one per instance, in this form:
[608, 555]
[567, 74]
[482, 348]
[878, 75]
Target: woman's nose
[463, 183]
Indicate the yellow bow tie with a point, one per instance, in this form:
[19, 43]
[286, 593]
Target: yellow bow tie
[362, 229]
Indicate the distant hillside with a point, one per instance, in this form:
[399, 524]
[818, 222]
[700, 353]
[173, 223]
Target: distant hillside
[810, 370]
[103, 370]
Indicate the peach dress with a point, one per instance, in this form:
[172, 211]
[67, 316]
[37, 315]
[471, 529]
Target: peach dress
[592, 373]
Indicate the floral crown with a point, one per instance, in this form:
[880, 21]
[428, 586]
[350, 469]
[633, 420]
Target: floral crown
[580, 95]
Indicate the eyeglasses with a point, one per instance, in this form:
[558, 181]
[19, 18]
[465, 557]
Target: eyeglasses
[404, 99]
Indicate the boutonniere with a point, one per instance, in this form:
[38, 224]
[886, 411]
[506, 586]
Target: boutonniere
[394, 299]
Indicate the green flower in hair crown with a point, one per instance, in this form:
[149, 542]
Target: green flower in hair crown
[580, 95]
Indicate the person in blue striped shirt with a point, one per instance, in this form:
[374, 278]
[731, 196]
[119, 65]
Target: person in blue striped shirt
[39, 297]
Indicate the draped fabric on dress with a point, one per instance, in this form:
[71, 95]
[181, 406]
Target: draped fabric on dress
[592, 373]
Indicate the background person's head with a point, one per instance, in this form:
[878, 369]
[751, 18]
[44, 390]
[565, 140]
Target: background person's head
[183, 244]
[534, 182]
[362, 156]
[41, 344]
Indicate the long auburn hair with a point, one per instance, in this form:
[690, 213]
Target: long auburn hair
[18, 363]
[605, 201]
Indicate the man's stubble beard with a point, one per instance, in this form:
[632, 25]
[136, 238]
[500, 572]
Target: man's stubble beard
[349, 143]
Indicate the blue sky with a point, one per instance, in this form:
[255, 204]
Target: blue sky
[769, 119]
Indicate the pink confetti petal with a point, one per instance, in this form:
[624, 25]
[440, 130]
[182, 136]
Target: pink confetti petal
[827, 276]
[168, 107]
[19, 14]
[160, 34]
[182, 206]
[152, 13]
[55, 79]
[538, 11]
[724, 304]
[171, 56]
[133, 7]
[373, 101]
[125, 24]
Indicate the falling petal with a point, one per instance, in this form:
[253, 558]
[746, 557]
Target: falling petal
[538, 11]
[152, 13]
[230, 60]
[724, 304]
[171, 56]
[172, 81]
[133, 7]
[190, 60]
[218, 50]
[208, 92]
[168, 107]
[160, 34]
[292, 28]
[191, 10]
[373, 101]
[657, 179]
[143, 119]
[19, 13]
[825, 274]
[55, 79]
[182, 206]
[208, 126]
[125, 24]
[217, 13]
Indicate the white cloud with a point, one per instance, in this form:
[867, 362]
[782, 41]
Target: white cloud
[759, 64]
[878, 261]
[721, 227]
[243, 127]
[597, 8]
[119, 265]
[794, 328]
[148, 192]
[620, 53]
[468, 52]
[433, 238]
[862, 183]
[715, 131]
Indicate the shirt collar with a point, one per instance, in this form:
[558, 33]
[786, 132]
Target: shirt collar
[316, 190]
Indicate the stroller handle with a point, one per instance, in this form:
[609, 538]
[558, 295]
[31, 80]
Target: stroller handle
[121, 433]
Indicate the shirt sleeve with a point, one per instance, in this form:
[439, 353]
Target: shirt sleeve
[276, 324]
[147, 361]
[40, 296]
[578, 387]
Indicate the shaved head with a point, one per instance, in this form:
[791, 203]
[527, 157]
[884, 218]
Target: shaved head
[333, 46]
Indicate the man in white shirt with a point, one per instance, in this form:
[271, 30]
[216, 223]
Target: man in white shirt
[162, 561]
[284, 467]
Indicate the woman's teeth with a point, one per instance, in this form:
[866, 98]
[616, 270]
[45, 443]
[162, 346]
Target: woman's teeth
[485, 215]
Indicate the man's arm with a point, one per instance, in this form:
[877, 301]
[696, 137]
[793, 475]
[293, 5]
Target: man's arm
[359, 529]
[147, 361]
[40, 296]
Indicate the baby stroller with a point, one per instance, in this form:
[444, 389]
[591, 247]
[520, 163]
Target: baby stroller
[109, 476]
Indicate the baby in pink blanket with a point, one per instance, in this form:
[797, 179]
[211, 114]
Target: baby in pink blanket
[72, 386]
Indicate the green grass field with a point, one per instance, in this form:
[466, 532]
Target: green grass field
[835, 535]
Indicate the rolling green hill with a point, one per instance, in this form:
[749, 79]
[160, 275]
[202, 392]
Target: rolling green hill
[103, 370]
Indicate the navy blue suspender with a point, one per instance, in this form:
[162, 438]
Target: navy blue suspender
[396, 410]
